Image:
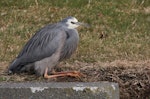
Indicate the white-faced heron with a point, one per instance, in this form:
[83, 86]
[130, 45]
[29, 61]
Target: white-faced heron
[50, 45]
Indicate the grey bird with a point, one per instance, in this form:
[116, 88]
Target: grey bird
[48, 46]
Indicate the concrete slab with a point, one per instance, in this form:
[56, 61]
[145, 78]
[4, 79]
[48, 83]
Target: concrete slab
[59, 90]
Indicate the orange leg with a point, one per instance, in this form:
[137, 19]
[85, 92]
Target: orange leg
[75, 74]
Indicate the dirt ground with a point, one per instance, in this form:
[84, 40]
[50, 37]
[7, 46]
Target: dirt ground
[133, 77]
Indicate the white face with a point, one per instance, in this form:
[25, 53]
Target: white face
[72, 23]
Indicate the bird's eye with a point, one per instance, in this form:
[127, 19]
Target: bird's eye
[73, 22]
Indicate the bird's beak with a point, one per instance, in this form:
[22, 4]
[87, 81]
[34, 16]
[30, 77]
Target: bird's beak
[83, 24]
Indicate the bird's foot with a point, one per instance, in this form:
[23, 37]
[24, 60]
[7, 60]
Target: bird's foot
[75, 74]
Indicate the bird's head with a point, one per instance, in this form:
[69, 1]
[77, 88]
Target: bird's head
[72, 23]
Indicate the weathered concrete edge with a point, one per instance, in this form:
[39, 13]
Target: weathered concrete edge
[110, 88]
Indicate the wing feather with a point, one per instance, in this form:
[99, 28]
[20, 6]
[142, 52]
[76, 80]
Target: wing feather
[43, 44]
[70, 45]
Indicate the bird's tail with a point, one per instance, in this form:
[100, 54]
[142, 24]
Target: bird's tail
[14, 67]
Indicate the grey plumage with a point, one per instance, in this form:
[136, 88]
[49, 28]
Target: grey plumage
[50, 45]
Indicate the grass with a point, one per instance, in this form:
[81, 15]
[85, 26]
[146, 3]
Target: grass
[126, 24]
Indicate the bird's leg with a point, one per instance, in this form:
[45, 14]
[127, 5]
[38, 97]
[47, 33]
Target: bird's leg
[75, 74]
[68, 72]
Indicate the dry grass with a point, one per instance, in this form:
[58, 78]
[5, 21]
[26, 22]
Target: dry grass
[133, 77]
[116, 47]
[125, 23]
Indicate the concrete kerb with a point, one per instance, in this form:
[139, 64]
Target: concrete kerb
[59, 90]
